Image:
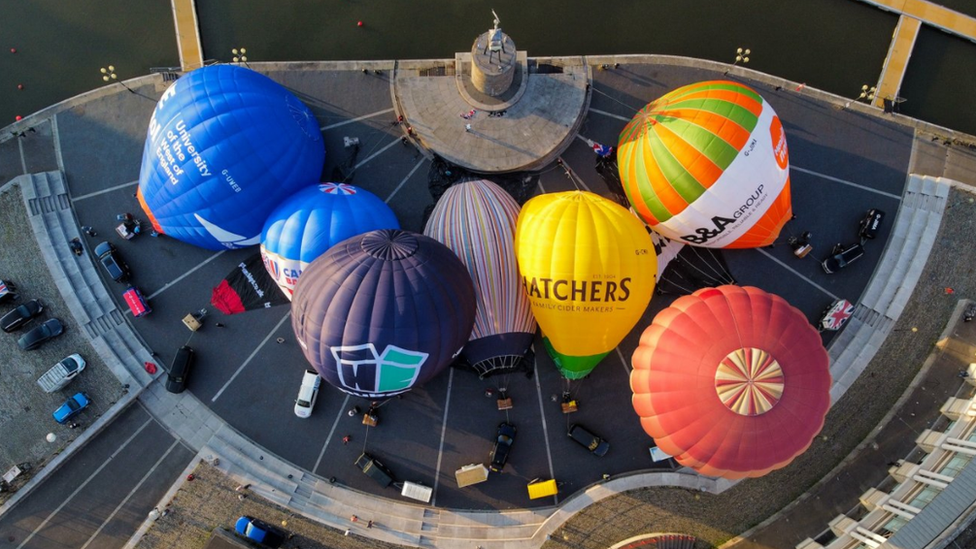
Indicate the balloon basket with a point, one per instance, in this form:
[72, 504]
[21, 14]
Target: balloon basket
[505, 404]
[370, 420]
[569, 407]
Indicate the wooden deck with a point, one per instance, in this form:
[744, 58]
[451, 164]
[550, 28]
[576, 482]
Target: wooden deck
[188, 34]
[913, 13]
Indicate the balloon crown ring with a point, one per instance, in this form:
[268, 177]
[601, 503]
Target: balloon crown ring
[749, 381]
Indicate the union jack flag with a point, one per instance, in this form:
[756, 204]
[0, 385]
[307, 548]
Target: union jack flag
[337, 188]
[602, 150]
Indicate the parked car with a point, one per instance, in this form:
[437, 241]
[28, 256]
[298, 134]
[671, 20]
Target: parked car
[260, 531]
[180, 370]
[307, 394]
[8, 291]
[841, 257]
[374, 469]
[502, 447]
[33, 339]
[869, 226]
[21, 315]
[114, 265]
[592, 442]
[62, 373]
[72, 407]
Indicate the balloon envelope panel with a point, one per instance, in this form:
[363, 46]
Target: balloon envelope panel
[707, 164]
[382, 312]
[225, 145]
[588, 268]
[313, 220]
[732, 381]
[476, 220]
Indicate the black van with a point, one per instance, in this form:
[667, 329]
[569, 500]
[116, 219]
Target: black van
[176, 378]
[592, 442]
[374, 469]
[871, 223]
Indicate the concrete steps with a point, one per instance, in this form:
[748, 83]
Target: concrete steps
[906, 253]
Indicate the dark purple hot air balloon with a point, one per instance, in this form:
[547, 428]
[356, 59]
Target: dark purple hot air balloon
[383, 312]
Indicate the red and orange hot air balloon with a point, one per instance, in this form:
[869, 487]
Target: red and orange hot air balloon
[707, 164]
[732, 381]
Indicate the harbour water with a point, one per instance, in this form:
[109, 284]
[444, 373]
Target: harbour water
[836, 45]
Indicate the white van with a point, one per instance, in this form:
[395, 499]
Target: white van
[61, 373]
[307, 394]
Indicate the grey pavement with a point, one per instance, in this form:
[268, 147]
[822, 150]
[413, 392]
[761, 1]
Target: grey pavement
[552, 132]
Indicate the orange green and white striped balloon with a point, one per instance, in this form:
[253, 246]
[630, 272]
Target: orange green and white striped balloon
[707, 164]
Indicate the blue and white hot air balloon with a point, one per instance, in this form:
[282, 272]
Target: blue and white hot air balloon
[313, 220]
[225, 146]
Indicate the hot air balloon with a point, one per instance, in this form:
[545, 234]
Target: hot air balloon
[382, 312]
[588, 269]
[731, 381]
[476, 220]
[707, 164]
[314, 219]
[225, 146]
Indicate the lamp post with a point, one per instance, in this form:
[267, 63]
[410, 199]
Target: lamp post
[741, 56]
[866, 93]
[240, 56]
[108, 75]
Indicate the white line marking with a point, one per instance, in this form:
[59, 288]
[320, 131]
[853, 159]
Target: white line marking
[845, 182]
[250, 358]
[131, 493]
[794, 271]
[404, 181]
[357, 119]
[186, 274]
[545, 428]
[23, 161]
[374, 155]
[57, 142]
[81, 487]
[342, 412]
[623, 361]
[103, 191]
[610, 114]
[440, 448]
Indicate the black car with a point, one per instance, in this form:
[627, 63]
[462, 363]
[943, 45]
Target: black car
[869, 226]
[114, 265]
[16, 318]
[33, 339]
[841, 257]
[180, 370]
[587, 439]
[502, 447]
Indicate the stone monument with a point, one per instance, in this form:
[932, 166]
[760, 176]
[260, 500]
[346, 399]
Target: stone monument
[493, 61]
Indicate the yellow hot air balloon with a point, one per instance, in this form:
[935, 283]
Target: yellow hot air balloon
[588, 268]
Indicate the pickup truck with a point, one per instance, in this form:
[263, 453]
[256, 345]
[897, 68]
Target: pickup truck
[374, 469]
[61, 373]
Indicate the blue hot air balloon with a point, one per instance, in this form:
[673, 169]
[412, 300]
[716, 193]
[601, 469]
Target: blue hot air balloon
[225, 146]
[383, 312]
[313, 220]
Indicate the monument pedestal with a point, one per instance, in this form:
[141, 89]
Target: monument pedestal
[492, 72]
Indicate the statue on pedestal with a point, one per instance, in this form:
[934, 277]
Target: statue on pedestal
[496, 40]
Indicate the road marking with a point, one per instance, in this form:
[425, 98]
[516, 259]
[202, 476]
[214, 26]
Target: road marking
[845, 182]
[103, 191]
[372, 156]
[250, 358]
[797, 273]
[357, 119]
[186, 274]
[440, 448]
[611, 115]
[130, 494]
[404, 181]
[545, 428]
[623, 360]
[342, 412]
[83, 484]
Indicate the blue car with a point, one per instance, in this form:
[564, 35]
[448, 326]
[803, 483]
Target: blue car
[72, 407]
[260, 531]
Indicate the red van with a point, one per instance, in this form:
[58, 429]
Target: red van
[137, 303]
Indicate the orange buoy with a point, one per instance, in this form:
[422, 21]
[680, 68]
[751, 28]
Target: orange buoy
[18, 118]
[20, 86]
[359, 24]
[13, 50]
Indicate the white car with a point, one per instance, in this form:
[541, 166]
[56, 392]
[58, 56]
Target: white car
[307, 394]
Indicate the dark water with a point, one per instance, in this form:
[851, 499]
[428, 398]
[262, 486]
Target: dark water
[836, 45]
